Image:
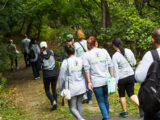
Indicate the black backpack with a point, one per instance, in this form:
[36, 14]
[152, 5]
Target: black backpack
[31, 54]
[149, 93]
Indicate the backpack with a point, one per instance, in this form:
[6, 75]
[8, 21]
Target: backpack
[32, 54]
[149, 93]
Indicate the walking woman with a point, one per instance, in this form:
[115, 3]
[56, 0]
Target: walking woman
[33, 57]
[123, 60]
[71, 78]
[12, 52]
[80, 49]
[47, 64]
[95, 62]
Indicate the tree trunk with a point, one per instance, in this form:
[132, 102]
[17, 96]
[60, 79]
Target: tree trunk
[39, 29]
[22, 26]
[29, 27]
[106, 23]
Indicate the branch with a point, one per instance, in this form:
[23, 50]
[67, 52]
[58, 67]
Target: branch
[155, 7]
[89, 15]
[98, 4]
[4, 5]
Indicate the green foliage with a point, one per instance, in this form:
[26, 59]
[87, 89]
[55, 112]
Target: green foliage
[4, 62]
[3, 82]
[133, 21]
[8, 109]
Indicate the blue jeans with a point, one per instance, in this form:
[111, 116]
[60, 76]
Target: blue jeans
[89, 94]
[154, 117]
[101, 94]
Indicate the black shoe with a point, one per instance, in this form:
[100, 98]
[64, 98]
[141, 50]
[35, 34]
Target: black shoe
[54, 107]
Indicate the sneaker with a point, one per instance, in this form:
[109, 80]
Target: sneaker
[36, 78]
[54, 105]
[123, 114]
[90, 102]
[54, 102]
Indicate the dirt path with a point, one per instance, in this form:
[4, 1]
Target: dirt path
[30, 95]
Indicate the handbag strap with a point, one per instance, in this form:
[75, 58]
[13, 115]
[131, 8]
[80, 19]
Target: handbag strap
[68, 72]
[82, 47]
[126, 59]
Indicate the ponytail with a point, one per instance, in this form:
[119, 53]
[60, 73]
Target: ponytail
[118, 43]
[122, 50]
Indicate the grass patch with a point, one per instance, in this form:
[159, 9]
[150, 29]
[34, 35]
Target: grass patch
[8, 109]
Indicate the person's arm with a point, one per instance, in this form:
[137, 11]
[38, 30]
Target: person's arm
[58, 56]
[90, 86]
[111, 72]
[40, 62]
[62, 75]
[143, 67]
[115, 69]
[86, 66]
[110, 63]
[38, 49]
[22, 47]
[132, 59]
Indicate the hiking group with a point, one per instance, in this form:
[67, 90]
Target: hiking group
[88, 68]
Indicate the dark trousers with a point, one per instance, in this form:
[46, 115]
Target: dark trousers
[26, 59]
[35, 69]
[153, 117]
[53, 82]
[12, 60]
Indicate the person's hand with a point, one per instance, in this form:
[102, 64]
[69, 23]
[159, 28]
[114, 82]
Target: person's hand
[140, 62]
[90, 86]
[117, 88]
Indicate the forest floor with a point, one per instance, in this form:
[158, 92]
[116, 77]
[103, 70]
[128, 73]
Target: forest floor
[29, 95]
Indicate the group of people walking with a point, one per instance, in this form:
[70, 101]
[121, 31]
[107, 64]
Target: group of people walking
[86, 69]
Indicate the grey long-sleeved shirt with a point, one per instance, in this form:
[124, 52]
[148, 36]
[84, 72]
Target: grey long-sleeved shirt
[36, 50]
[95, 62]
[78, 48]
[25, 45]
[71, 69]
[142, 69]
[122, 68]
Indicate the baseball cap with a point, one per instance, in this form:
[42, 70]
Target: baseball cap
[43, 44]
[70, 36]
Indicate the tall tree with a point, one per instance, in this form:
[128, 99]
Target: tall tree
[106, 22]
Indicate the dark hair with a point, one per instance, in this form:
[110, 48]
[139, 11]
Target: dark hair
[32, 42]
[91, 42]
[69, 49]
[69, 39]
[25, 35]
[156, 35]
[118, 43]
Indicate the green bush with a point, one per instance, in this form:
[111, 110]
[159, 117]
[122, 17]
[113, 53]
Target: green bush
[3, 82]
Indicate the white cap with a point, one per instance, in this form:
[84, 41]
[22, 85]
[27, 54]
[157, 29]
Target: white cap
[43, 44]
